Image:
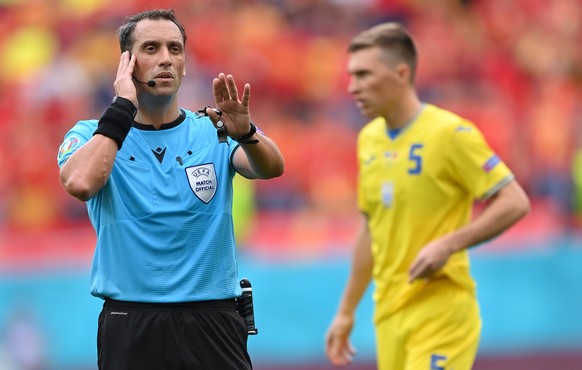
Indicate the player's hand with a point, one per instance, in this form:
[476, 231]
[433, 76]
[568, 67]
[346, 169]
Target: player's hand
[429, 260]
[338, 348]
[235, 109]
[124, 85]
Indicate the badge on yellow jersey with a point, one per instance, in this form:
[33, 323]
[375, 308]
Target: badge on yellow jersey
[388, 193]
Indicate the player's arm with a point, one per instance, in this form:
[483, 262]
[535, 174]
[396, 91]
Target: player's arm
[88, 169]
[337, 346]
[504, 209]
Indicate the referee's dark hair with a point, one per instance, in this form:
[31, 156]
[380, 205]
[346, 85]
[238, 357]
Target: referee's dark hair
[391, 37]
[125, 32]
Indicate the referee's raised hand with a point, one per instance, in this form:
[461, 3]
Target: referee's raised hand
[236, 115]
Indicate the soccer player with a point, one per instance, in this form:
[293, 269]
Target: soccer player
[420, 170]
[158, 188]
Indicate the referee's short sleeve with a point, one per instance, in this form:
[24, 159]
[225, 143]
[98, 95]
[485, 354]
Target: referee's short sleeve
[74, 139]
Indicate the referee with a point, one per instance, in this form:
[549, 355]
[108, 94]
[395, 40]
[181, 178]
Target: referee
[158, 187]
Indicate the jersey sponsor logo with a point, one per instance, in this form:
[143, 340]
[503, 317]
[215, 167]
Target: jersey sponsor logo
[68, 146]
[491, 163]
[202, 179]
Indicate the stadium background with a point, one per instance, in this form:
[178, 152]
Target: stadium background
[513, 67]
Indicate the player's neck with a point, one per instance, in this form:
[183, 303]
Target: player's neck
[157, 114]
[406, 112]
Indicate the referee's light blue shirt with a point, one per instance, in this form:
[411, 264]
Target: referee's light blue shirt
[164, 218]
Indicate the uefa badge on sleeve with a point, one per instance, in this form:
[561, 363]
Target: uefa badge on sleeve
[68, 146]
[202, 179]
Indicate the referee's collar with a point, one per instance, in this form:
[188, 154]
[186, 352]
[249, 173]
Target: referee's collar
[164, 126]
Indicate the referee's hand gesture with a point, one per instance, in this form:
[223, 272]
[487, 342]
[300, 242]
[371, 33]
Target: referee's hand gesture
[236, 115]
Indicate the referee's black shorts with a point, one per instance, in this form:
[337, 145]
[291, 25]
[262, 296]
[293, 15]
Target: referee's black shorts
[209, 335]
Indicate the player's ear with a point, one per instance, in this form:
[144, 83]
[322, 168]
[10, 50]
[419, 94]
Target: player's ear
[403, 72]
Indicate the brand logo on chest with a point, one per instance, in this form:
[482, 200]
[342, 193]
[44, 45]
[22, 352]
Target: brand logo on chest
[159, 153]
[202, 179]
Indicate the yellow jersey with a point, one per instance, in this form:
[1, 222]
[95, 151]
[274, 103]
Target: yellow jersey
[416, 186]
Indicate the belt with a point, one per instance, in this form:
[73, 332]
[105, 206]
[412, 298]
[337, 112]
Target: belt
[219, 303]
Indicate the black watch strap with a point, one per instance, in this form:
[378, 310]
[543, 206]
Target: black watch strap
[245, 138]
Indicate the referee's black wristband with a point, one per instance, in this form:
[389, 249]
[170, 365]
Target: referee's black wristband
[117, 119]
[245, 139]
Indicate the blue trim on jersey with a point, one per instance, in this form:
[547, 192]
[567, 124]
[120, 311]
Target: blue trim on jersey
[392, 133]
[164, 226]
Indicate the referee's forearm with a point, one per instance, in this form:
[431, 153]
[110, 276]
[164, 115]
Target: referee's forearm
[264, 159]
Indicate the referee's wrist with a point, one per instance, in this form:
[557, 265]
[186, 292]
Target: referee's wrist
[126, 104]
[246, 138]
[117, 120]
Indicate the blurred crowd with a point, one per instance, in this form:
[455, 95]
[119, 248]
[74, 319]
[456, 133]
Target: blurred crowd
[512, 67]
